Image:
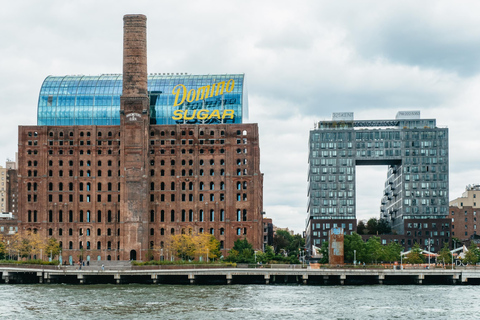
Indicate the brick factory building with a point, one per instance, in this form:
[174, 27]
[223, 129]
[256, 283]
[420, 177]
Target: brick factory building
[114, 176]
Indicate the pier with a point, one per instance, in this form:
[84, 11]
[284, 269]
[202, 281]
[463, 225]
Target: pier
[232, 275]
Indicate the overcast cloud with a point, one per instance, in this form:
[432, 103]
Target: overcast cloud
[303, 60]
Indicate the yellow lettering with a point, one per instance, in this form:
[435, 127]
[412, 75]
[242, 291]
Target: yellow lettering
[232, 83]
[222, 83]
[202, 114]
[191, 117]
[177, 114]
[202, 93]
[191, 95]
[228, 113]
[215, 113]
[176, 92]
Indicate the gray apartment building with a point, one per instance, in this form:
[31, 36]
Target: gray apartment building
[415, 151]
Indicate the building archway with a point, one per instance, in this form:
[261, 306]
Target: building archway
[133, 255]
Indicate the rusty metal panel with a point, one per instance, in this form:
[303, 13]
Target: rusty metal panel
[335, 246]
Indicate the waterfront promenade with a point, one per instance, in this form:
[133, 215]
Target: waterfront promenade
[236, 275]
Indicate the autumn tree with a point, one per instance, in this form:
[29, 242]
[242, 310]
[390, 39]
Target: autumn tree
[415, 255]
[52, 248]
[206, 244]
[183, 246]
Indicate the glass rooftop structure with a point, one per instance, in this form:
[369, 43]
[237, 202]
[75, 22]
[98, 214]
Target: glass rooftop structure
[95, 100]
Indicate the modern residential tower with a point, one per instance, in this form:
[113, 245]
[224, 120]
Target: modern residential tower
[415, 151]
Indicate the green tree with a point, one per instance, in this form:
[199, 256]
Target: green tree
[444, 255]
[375, 250]
[383, 227]
[361, 228]
[241, 252]
[471, 256]
[353, 247]
[281, 240]
[324, 252]
[415, 255]
[372, 226]
[392, 252]
[297, 242]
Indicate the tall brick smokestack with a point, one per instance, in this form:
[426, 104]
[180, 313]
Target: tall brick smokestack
[134, 124]
[134, 55]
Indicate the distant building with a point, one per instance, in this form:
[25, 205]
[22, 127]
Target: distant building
[430, 234]
[3, 189]
[275, 229]
[463, 213]
[415, 151]
[267, 232]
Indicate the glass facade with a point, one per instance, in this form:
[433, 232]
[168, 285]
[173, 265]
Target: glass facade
[415, 151]
[95, 100]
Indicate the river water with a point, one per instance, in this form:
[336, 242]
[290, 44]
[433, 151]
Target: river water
[238, 302]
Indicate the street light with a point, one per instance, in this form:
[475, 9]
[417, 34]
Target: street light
[401, 260]
[429, 252]
[354, 257]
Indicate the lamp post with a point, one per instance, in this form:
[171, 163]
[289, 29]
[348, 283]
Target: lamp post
[207, 255]
[401, 260]
[354, 257]
[429, 252]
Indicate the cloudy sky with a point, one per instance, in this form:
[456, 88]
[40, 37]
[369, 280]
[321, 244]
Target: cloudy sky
[303, 60]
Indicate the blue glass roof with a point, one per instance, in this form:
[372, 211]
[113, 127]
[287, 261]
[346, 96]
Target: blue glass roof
[95, 100]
